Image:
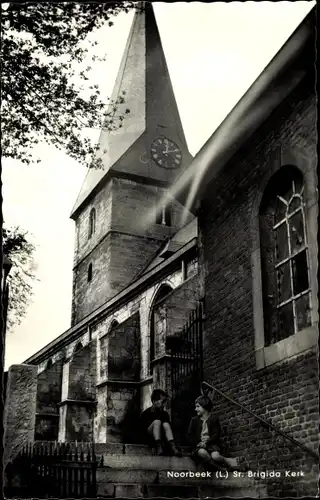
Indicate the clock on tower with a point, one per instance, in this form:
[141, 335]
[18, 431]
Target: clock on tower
[165, 153]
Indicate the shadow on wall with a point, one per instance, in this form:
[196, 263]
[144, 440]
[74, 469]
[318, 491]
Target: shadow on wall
[130, 425]
[128, 430]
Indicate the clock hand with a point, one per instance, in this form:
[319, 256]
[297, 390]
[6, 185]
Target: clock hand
[172, 150]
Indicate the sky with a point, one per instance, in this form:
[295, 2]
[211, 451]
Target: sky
[214, 52]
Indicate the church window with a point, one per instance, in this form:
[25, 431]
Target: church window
[89, 273]
[114, 324]
[191, 268]
[92, 222]
[49, 364]
[163, 216]
[156, 324]
[284, 257]
[78, 347]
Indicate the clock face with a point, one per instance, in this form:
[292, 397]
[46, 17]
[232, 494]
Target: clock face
[166, 153]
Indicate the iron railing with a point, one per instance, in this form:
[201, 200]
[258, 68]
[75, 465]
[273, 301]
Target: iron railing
[206, 387]
[186, 366]
[56, 470]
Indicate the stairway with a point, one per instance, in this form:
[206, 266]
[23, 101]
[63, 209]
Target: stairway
[131, 471]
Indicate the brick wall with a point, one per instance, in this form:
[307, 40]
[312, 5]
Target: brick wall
[286, 393]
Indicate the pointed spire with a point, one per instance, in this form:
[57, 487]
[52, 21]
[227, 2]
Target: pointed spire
[143, 76]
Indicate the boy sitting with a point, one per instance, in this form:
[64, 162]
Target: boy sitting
[156, 425]
[204, 435]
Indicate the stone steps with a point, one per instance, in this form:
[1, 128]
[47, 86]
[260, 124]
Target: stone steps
[148, 462]
[107, 449]
[182, 490]
[136, 476]
[132, 471]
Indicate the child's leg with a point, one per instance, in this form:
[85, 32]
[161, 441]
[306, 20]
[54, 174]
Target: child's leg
[202, 455]
[168, 431]
[231, 462]
[169, 437]
[155, 430]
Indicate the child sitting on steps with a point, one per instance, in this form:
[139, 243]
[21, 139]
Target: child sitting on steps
[204, 434]
[156, 425]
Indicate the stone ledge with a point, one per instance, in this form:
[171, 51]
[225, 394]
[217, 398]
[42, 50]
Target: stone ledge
[77, 402]
[154, 463]
[130, 449]
[48, 415]
[109, 448]
[119, 383]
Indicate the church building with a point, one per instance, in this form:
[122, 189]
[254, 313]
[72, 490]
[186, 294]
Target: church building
[197, 269]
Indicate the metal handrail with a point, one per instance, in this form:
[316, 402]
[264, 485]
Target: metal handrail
[264, 422]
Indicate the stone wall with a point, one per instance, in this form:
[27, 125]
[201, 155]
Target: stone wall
[124, 350]
[122, 245]
[49, 389]
[173, 312]
[87, 296]
[76, 379]
[134, 210]
[78, 405]
[20, 409]
[82, 374]
[286, 392]
[79, 422]
[123, 403]
[102, 203]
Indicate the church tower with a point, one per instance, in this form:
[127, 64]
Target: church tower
[115, 236]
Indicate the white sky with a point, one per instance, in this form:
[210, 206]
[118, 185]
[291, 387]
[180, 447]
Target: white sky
[214, 52]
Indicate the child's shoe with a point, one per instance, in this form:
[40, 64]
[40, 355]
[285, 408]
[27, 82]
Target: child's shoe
[174, 450]
[159, 450]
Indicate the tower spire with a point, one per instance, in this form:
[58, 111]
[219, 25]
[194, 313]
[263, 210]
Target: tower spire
[143, 76]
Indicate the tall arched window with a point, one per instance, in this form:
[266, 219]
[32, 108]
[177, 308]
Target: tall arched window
[78, 347]
[89, 273]
[49, 364]
[163, 216]
[155, 325]
[284, 256]
[92, 222]
[114, 324]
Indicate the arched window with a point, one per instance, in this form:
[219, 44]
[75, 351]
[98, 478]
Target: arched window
[163, 216]
[78, 347]
[114, 324]
[92, 222]
[284, 256]
[89, 273]
[155, 320]
[49, 364]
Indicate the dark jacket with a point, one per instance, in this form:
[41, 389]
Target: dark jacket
[195, 428]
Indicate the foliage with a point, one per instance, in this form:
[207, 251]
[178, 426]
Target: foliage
[20, 252]
[42, 51]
